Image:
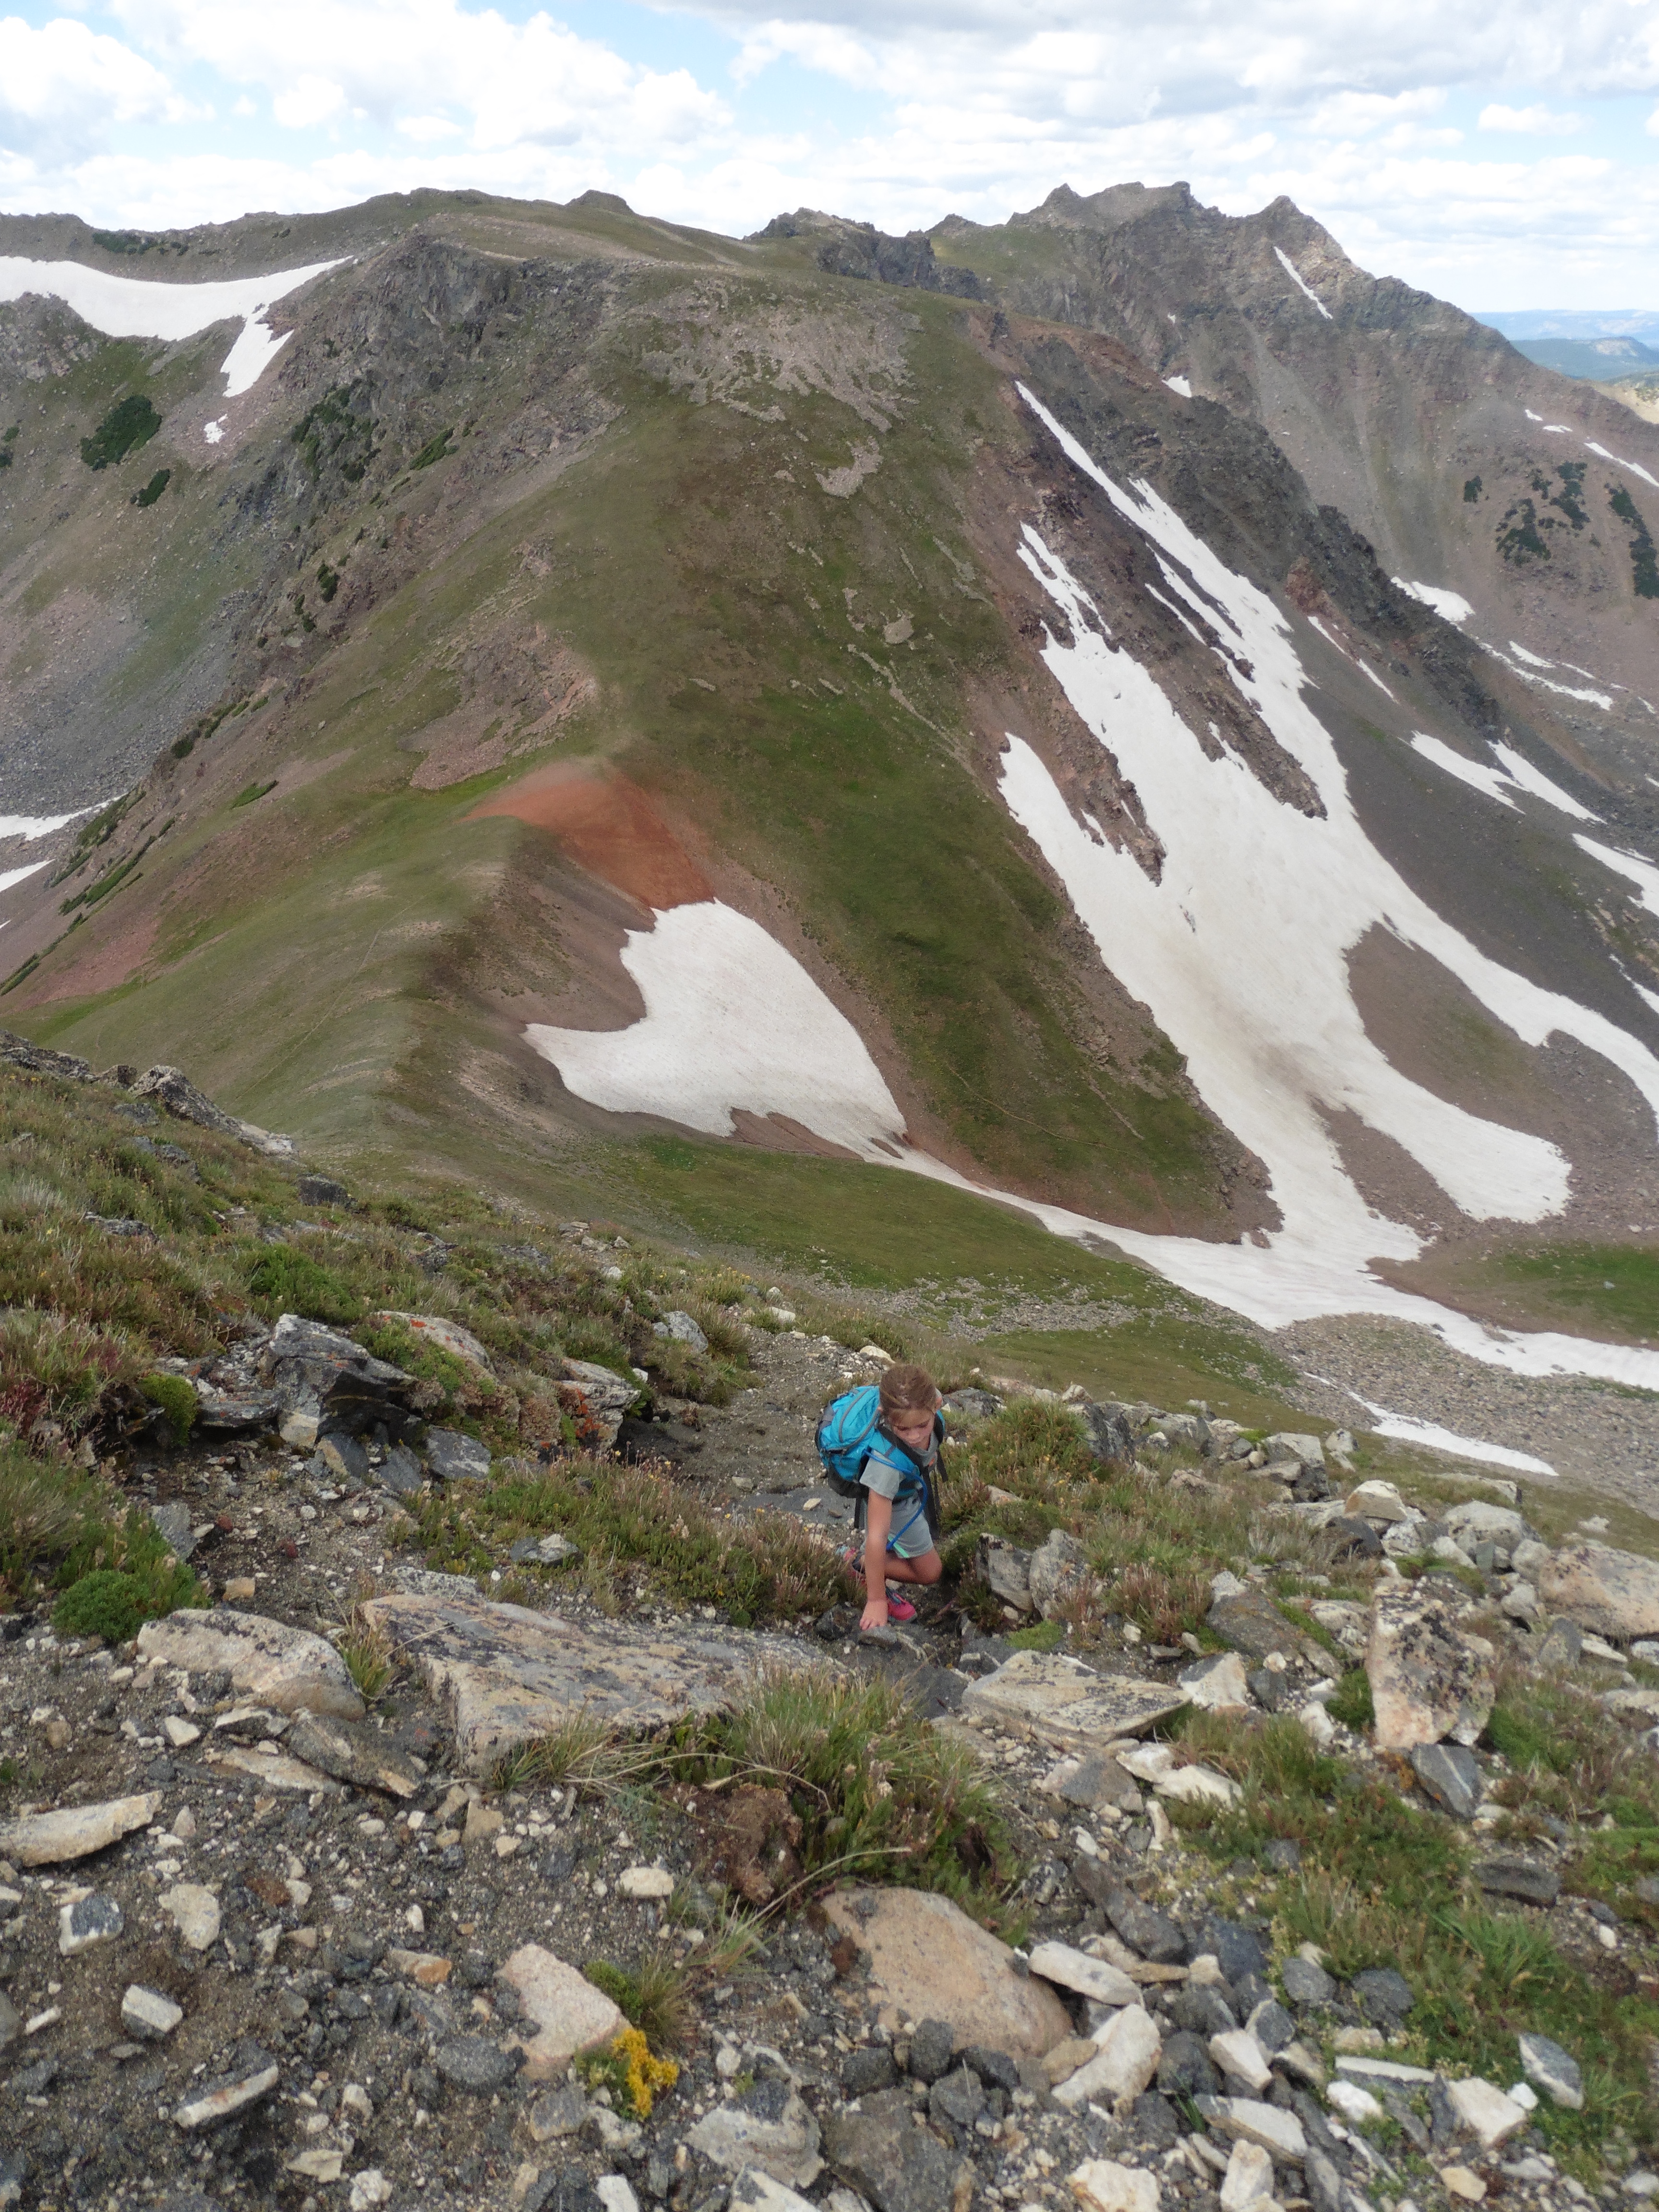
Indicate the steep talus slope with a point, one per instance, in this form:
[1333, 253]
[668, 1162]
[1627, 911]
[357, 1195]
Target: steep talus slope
[586, 626]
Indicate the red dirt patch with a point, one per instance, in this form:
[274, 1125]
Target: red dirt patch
[607, 825]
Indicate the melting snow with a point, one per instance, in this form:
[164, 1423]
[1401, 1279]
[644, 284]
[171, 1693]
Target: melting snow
[1602, 699]
[1409, 1430]
[1492, 780]
[130, 307]
[1643, 874]
[732, 1019]
[1180, 384]
[11, 876]
[1635, 467]
[30, 826]
[1522, 771]
[213, 431]
[1451, 606]
[1301, 281]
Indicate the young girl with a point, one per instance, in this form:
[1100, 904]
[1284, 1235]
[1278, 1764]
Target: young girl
[898, 1544]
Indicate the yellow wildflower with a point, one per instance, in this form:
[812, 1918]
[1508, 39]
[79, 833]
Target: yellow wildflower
[645, 2075]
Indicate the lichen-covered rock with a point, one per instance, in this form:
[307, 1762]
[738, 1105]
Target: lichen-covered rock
[1429, 1678]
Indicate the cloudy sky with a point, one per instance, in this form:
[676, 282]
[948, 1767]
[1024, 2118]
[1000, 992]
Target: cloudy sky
[1503, 152]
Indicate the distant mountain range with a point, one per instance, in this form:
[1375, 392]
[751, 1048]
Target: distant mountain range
[1600, 346]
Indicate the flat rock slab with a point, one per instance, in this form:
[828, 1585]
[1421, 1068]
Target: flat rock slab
[929, 1960]
[52, 1838]
[897, 2165]
[1090, 1978]
[274, 1769]
[505, 1675]
[767, 2129]
[352, 1751]
[1065, 1704]
[1610, 1593]
[289, 1669]
[1250, 1622]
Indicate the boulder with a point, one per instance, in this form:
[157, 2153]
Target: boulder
[504, 1675]
[1061, 1701]
[1248, 2179]
[289, 1669]
[446, 1336]
[1552, 2069]
[1450, 1775]
[1610, 1593]
[1285, 1444]
[1484, 2111]
[172, 1088]
[596, 1397]
[1059, 1572]
[1250, 1622]
[1529, 1884]
[454, 1457]
[1091, 1978]
[194, 1911]
[566, 2012]
[1479, 1522]
[1142, 1926]
[1241, 2059]
[1095, 1781]
[1218, 1683]
[318, 1374]
[1428, 1679]
[1107, 1430]
[1246, 2119]
[1190, 1430]
[54, 1838]
[929, 1960]
[1378, 1501]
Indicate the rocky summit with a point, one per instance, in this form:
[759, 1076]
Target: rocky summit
[637, 829]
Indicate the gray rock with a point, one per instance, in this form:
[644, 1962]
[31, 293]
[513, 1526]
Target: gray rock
[1283, 1853]
[1063, 1702]
[966, 1408]
[211, 2102]
[1143, 1927]
[1382, 1996]
[1479, 1522]
[1611, 1592]
[1429, 1680]
[11, 2022]
[682, 1329]
[400, 1472]
[53, 1839]
[504, 1675]
[1102, 1781]
[353, 1752]
[1520, 1878]
[172, 1088]
[339, 1458]
[453, 1456]
[1353, 1538]
[931, 2048]
[173, 1524]
[1006, 1570]
[1306, 1983]
[290, 1669]
[1201, 2009]
[1562, 1645]
[1451, 1775]
[768, 2127]
[1250, 1622]
[149, 2014]
[551, 1550]
[868, 2069]
[1272, 2026]
[91, 1919]
[560, 2114]
[476, 2064]
[1059, 1571]
[898, 2166]
[317, 1371]
[1324, 2183]
[1552, 2069]
[995, 2069]
[1190, 1430]
[1306, 1451]
[1184, 2068]
[1238, 1950]
[323, 1190]
[957, 2097]
[1107, 1430]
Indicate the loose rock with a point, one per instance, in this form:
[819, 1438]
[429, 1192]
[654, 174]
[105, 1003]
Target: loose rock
[53, 1839]
[289, 1669]
[929, 1960]
[1428, 1679]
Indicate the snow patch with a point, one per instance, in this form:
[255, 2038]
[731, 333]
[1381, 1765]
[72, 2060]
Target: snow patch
[30, 826]
[1181, 385]
[11, 876]
[1491, 781]
[1635, 467]
[131, 307]
[1408, 1430]
[1602, 699]
[1643, 874]
[1301, 281]
[1521, 770]
[213, 432]
[732, 1019]
[1451, 606]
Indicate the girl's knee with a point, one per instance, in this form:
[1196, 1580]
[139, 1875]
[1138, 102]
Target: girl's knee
[929, 1567]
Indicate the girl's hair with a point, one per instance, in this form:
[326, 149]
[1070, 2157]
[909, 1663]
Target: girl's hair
[908, 1390]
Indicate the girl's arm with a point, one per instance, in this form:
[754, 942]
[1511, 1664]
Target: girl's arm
[879, 1519]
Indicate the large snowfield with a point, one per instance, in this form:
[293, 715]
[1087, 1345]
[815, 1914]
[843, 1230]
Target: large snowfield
[1265, 1015]
[133, 308]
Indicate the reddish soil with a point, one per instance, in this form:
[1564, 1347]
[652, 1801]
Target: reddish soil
[607, 825]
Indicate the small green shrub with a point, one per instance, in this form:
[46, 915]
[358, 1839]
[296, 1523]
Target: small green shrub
[105, 1603]
[177, 1400]
[250, 792]
[435, 449]
[286, 1281]
[153, 490]
[1351, 1702]
[1043, 1636]
[131, 423]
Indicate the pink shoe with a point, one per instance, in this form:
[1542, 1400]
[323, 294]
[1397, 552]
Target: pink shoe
[899, 1608]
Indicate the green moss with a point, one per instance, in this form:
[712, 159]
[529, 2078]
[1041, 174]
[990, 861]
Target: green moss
[131, 423]
[285, 1281]
[250, 792]
[105, 1603]
[1043, 1636]
[177, 1400]
[1352, 1704]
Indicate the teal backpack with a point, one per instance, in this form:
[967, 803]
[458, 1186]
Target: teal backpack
[846, 1437]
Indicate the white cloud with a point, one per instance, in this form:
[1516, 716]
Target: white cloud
[427, 129]
[307, 102]
[61, 88]
[1535, 122]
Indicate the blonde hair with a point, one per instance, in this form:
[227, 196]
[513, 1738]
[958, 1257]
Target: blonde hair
[907, 1389]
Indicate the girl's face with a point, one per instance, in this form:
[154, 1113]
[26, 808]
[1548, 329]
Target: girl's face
[913, 1430]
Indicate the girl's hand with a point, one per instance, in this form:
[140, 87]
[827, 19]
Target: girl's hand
[875, 1612]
